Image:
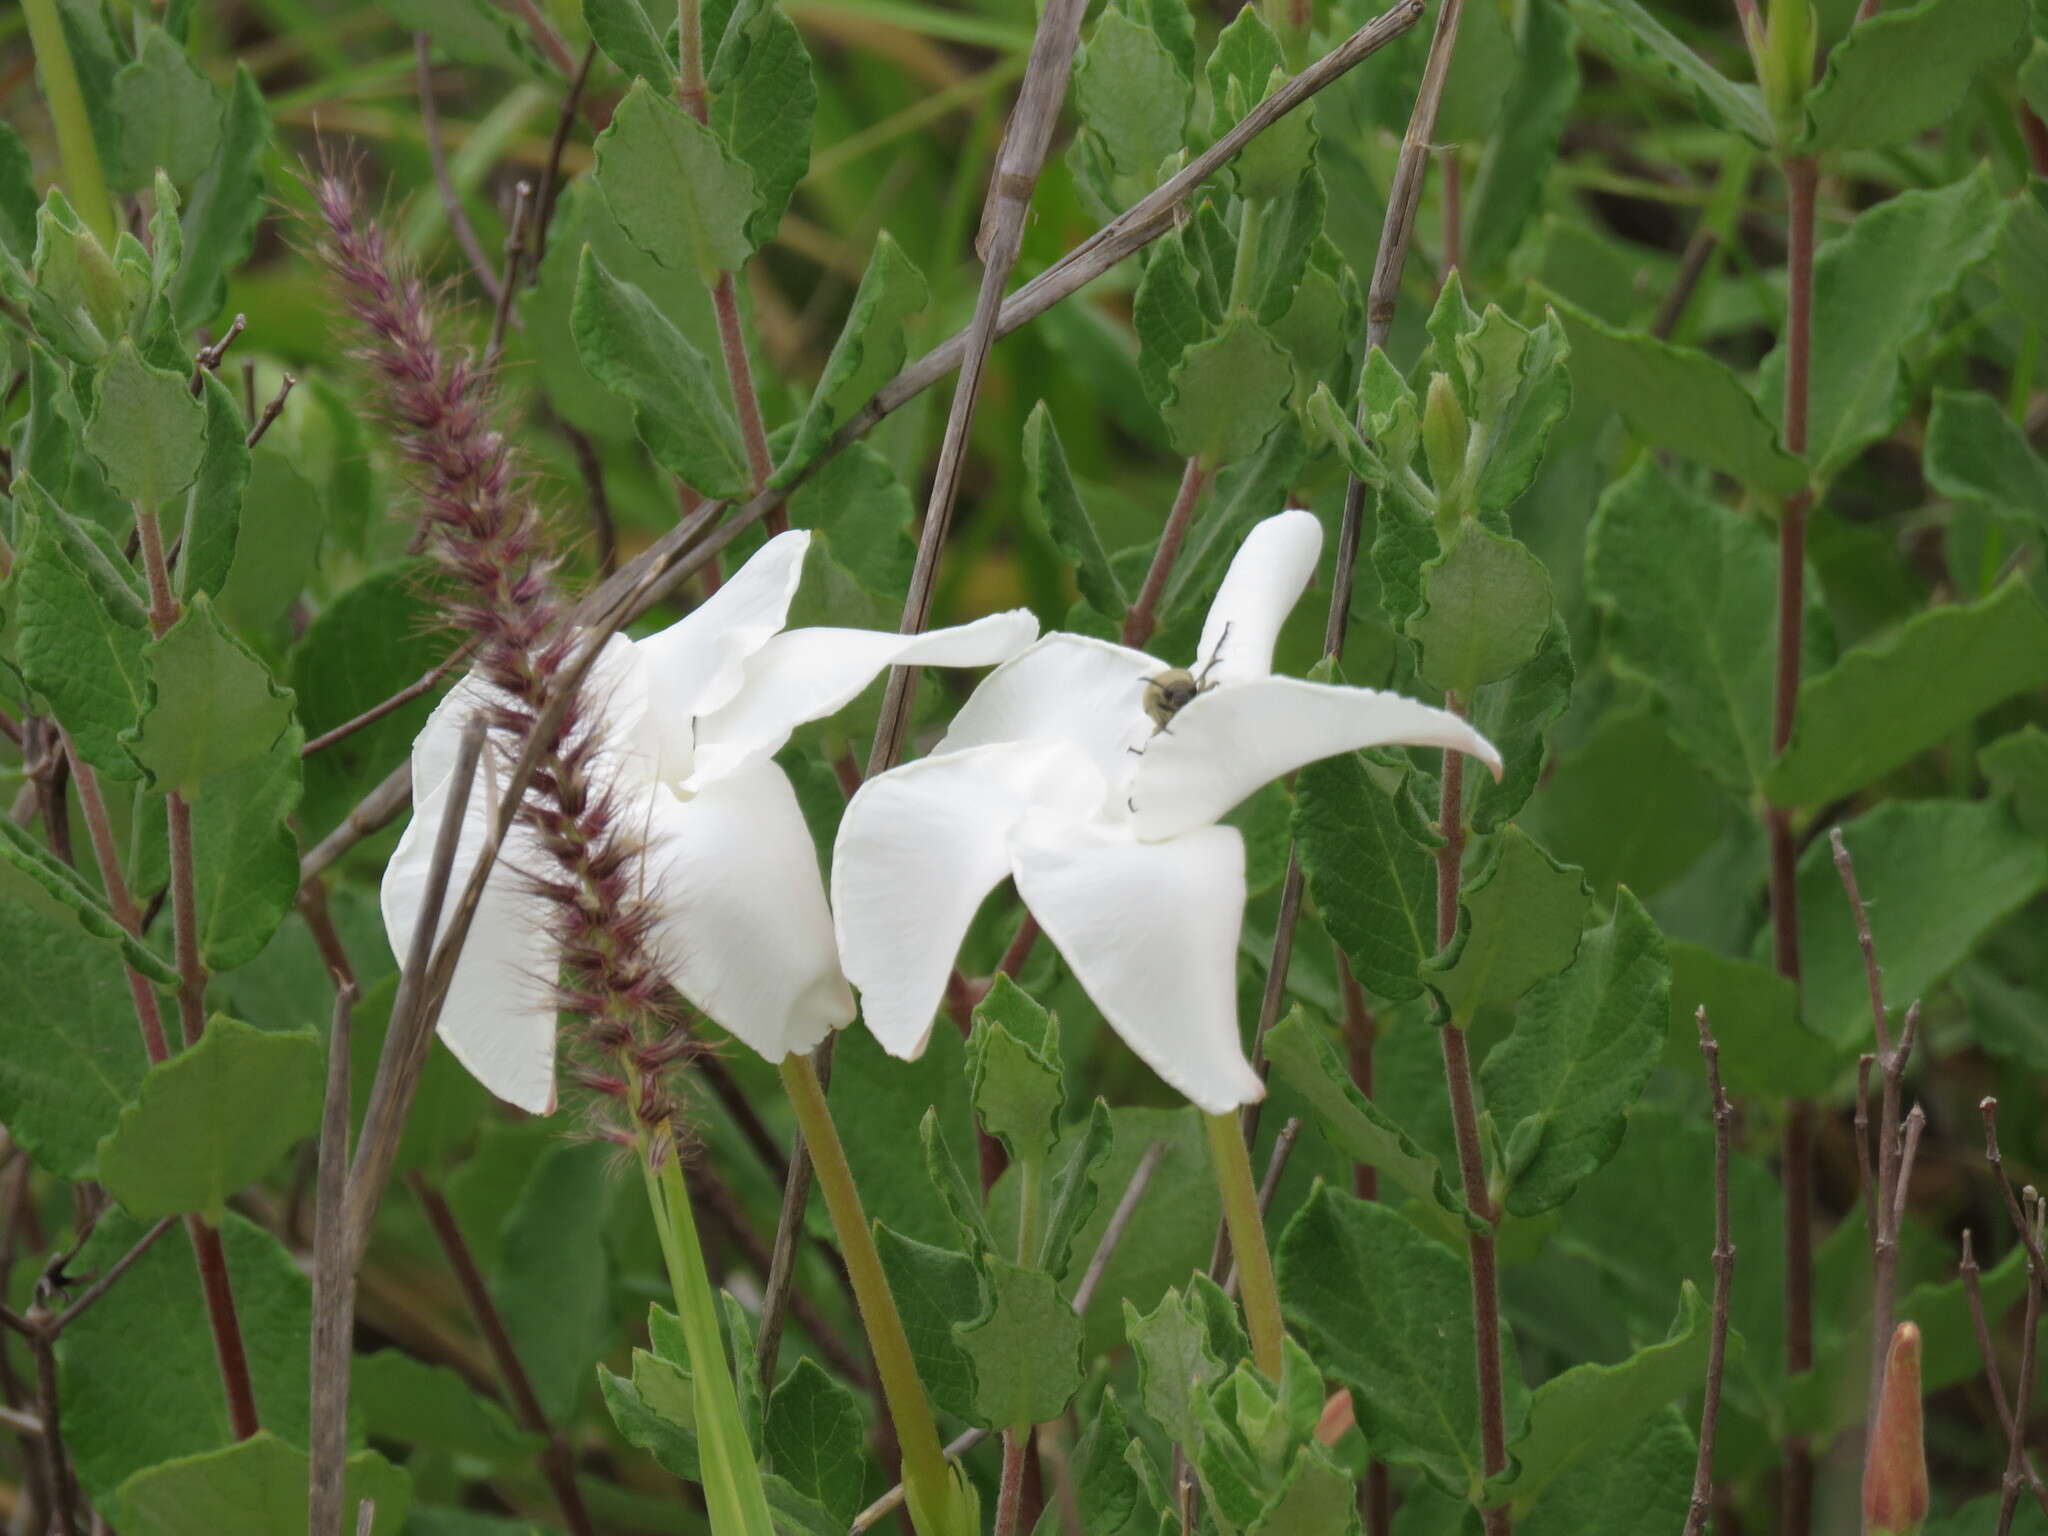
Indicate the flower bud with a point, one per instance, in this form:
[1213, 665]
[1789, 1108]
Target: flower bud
[1895, 1464]
[1445, 434]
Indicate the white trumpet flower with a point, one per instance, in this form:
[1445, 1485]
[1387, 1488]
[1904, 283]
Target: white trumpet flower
[688, 722]
[1095, 775]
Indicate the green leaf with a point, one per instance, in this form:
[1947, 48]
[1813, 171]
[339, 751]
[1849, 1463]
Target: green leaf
[655, 1409]
[1519, 923]
[676, 190]
[1575, 1414]
[1638, 1479]
[175, 1149]
[1629, 35]
[433, 1408]
[213, 706]
[1936, 875]
[1168, 315]
[473, 31]
[1885, 703]
[246, 862]
[1584, 1044]
[1976, 452]
[17, 198]
[140, 1381]
[1050, 490]
[869, 352]
[1227, 393]
[1508, 185]
[64, 885]
[552, 1279]
[1177, 1361]
[624, 33]
[864, 514]
[213, 504]
[1131, 94]
[224, 206]
[879, 1104]
[1024, 1350]
[1013, 1062]
[1690, 588]
[1516, 390]
[2016, 765]
[1071, 1193]
[679, 405]
[2023, 252]
[1308, 1063]
[1373, 880]
[255, 1488]
[1767, 1051]
[1402, 1341]
[170, 115]
[813, 1437]
[70, 1053]
[1516, 714]
[277, 545]
[1680, 398]
[146, 429]
[935, 1290]
[79, 305]
[1485, 609]
[763, 100]
[1899, 74]
[1878, 288]
[1106, 1490]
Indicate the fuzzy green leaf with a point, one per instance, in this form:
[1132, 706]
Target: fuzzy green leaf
[169, 112]
[1629, 35]
[1519, 922]
[1883, 704]
[433, 1408]
[626, 35]
[1767, 1051]
[813, 1439]
[1583, 1046]
[1178, 1359]
[936, 1290]
[1024, 1350]
[1900, 73]
[763, 100]
[146, 429]
[1485, 609]
[1131, 94]
[1373, 880]
[176, 1150]
[224, 206]
[1049, 488]
[1516, 714]
[213, 706]
[1976, 452]
[1227, 393]
[553, 1273]
[868, 353]
[1013, 1062]
[254, 1488]
[674, 187]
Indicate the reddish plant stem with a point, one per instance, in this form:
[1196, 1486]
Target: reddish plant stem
[1724, 1280]
[739, 370]
[1010, 1493]
[1801, 178]
[556, 1461]
[1969, 1272]
[227, 1329]
[2035, 134]
[1479, 1246]
[100, 831]
[185, 920]
[1144, 613]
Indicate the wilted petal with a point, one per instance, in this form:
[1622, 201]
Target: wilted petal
[1229, 741]
[1266, 579]
[1066, 688]
[807, 674]
[696, 665]
[743, 931]
[499, 1017]
[918, 850]
[1151, 932]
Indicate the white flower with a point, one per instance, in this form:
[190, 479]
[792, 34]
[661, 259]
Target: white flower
[1055, 773]
[690, 720]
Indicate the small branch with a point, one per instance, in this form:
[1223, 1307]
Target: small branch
[1692, 266]
[1139, 622]
[333, 1286]
[105, 1282]
[1873, 973]
[551, 175]
[437, 154]
[1988, 1108]
[508, 287]
[746, 398]
[207, 359]
[100, 832]
[556, 1462]
[598, 501]
[1008, 204]
[1968, 1272]
[271, 411]
[1404, 195]
[2023, 1394]
[228, 1349]
[545, 37]
[56, 1464]
[426, 683]
[1724, 1281]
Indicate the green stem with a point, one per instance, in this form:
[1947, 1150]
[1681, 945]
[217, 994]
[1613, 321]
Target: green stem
[1248, 230]
[732, 1481]
[926, 1480]
[75, 147]
[1248, 1241]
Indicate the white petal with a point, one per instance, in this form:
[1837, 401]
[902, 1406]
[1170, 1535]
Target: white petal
[918, 850]
[1151, 931]
[807, 674]
[1230, 740]
[499, 1018]
[439, 742]
[1065, 688]
[744, 933]
[1266, 579]
[695, 665]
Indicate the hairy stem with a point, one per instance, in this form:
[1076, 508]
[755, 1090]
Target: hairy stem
[1233, 1164]
[228, 1350]
[1801, 178]
[925, 1477]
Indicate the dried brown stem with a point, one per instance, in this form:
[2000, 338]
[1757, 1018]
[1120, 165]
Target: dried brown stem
[333, 1288]
[551, 175]
[271, 411]
[2023, 1396]
[506, 307]
[556, 1462]
[113, 1272]
[1968, 1272]
[56, 1464]
[1724, 1282]
[1025, 142]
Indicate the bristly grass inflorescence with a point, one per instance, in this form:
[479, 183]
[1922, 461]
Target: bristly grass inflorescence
[627, 1026]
